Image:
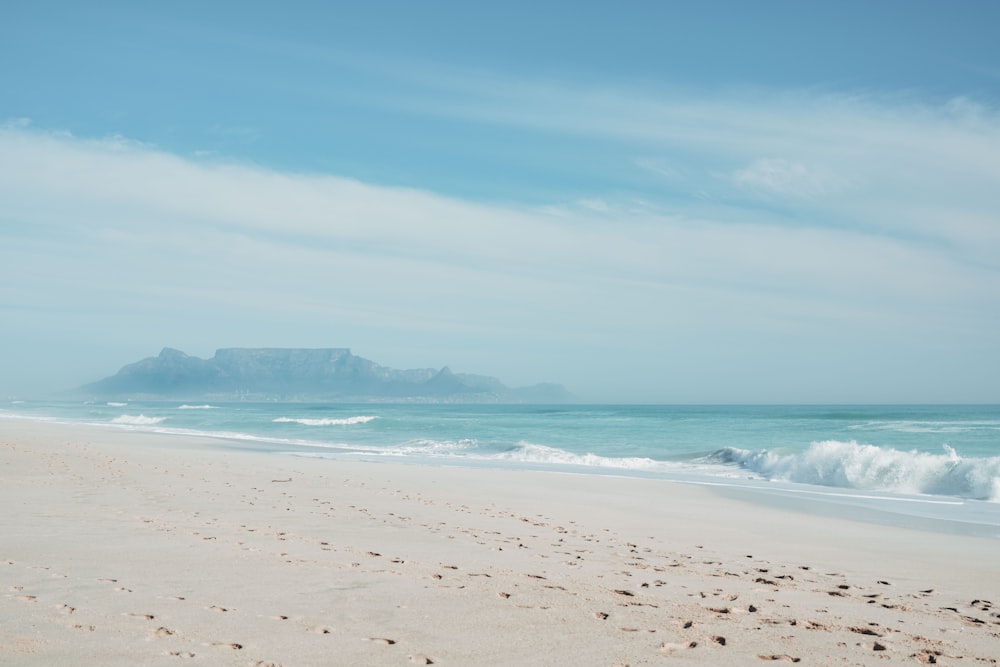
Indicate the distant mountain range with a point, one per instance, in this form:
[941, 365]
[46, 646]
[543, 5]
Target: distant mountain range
[305, 374]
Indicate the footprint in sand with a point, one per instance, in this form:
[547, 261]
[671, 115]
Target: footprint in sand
[232, 645]
[783, 656]
[382, 640]
[420, 659]
[670, 647]
[927, 656]
[161, 632]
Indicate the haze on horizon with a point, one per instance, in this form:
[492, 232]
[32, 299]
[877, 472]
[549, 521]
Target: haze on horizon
[685, 202]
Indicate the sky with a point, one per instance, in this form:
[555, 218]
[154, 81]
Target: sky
[676, 202]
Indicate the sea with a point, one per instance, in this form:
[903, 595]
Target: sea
[926, 466]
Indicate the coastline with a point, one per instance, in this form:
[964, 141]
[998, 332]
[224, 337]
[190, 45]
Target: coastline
[126, 548]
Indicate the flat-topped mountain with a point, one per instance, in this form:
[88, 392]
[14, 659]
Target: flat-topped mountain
[304, 374]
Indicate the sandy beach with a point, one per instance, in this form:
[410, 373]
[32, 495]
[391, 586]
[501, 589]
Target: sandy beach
[123, 548]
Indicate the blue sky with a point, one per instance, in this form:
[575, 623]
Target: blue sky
[676, 202]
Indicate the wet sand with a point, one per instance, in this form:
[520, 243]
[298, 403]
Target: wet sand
[122, 548]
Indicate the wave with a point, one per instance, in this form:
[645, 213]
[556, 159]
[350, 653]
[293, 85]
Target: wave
[914, 426]
[470, 449]
[418, 447]
[137, 420]
[524, 452]
[345, 421]
[428, 447]
[866, 467]
[527, 452]
[196, 407]
[115, 404]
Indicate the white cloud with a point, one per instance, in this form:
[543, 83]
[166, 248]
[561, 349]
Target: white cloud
[878, 224]
[137, 197]
[785, 178]
[861, 152]
[16, 124]
[658, 167]
[595, 205]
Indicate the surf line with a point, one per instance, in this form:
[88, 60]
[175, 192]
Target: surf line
[828, 493]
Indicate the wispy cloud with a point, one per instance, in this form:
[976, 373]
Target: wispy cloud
[859, 152]
[783, 178]
[766, 223]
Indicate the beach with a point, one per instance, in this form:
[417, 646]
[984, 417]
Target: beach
[129, 548]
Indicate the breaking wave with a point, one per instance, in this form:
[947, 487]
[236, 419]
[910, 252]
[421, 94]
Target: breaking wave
[470, 449]
[428, 447]
[345, 421]
[137, 420]
[196, 407]
[527, 452]
[116, 404]
[851, 465]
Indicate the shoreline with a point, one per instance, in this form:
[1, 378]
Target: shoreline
[137, 548]
[945, 514]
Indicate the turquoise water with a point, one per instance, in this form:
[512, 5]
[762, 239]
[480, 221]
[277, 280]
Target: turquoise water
[939, 451]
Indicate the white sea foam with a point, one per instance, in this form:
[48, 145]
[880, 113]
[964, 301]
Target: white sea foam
[345, 421]
[137, 420]
[527, 452]
[429, 447]
[866, 467]
[916, 426]
[115, 404]
[228, 435]
[196, 407]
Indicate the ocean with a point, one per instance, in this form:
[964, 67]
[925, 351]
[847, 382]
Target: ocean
[940, 463]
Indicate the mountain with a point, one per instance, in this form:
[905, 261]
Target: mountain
[304, 374]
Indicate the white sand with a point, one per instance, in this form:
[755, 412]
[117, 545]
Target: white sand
[121, 548]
